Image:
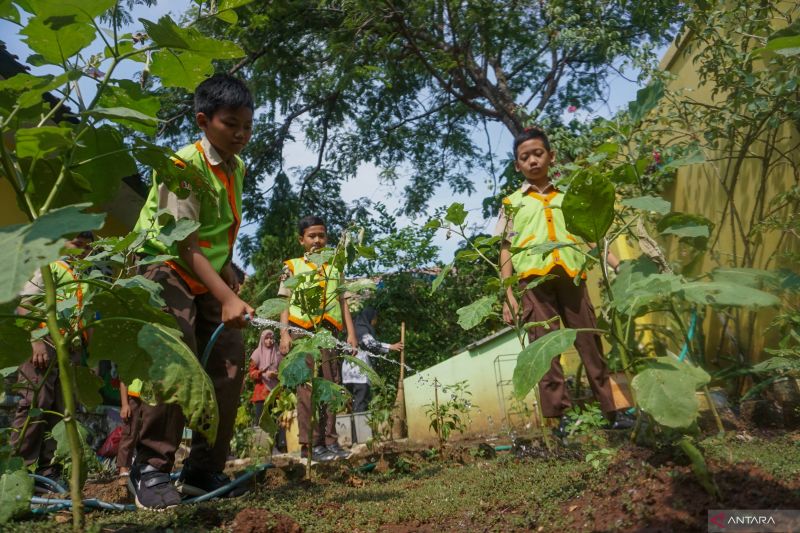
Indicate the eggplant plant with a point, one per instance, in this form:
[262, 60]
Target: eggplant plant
[70, 137]
[609, 196]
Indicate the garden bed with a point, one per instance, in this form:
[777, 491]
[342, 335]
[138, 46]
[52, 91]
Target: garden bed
[464, 489]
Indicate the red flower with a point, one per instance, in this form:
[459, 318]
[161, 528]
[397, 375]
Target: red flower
[656, 157]
[572, 109]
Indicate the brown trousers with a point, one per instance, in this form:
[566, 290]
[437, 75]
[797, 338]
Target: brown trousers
[561, 297]
[130, 434]
[325, 429]
[37, 446]
[162, 425]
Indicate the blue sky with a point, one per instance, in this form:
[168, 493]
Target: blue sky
[366, 183]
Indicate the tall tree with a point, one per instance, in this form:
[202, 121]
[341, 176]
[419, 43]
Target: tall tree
[408, 85]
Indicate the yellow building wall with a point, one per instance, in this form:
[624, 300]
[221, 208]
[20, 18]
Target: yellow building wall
[10, 213]
[699, 189]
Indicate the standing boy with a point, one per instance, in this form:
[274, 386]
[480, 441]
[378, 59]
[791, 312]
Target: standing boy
[332, 315]
[199, 288]
[532, 215]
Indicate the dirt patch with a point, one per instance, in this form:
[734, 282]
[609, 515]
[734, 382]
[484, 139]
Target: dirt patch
[262, 521]
[108, 491]
[638, 496]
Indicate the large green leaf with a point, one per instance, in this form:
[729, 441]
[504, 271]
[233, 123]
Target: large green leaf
[293, 370]
[445, 270]
[26, 90]
[727, 294]
[176, 231]
[169, 35]
[473, 314]
[124, 113]
[61, 29]
[267, 420]
[588, 206]
[692, 157]
[646, 100]
[38, 142]
[176, 376]
[535, 359]
[785, 46]
[8, 11]
[130, 95]
[685, 225]
[15, 344]
[180, 177]
[666, 391]
[329, 393]
[181, 69]
[654, 204]
[637, 290]
[273, 307]
[89, 385]
[16, 489]
[54, 46]
[153, 289]
[456, 214]
[102, 160]
[30, 246]
[750, 277]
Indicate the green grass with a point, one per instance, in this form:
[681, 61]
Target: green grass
[493, 495]
[779, 455]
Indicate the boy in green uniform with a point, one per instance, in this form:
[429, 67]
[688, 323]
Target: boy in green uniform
[333, 315]
[199, 288]
[532, 215]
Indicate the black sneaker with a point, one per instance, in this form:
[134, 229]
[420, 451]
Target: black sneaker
[193, 482]
[322, 454]
[622, 420]
[337, 450]
[561, 431]
[152, 488]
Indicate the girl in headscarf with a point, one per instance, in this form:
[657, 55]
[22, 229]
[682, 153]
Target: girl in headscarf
[264, 370]
[353, 377]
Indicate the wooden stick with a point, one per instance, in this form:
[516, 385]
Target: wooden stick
[402, 354]
[399, 420]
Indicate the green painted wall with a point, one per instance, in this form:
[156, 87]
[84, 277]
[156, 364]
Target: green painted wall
[487, 366]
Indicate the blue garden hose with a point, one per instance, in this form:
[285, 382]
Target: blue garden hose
[213, 340]
[55, 504]
[689, 336]
[50, 483]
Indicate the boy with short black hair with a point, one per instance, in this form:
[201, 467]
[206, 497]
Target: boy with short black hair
[333, 315]
[200, 288]
[532, 215]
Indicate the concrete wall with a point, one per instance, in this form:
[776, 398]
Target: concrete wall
[487, 366]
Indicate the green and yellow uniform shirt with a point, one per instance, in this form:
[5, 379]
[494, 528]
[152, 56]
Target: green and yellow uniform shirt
[327, 278]
[219, 215]
[528, 218]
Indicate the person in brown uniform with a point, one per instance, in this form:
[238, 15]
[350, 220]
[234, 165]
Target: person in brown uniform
[200, 289]
[333, 315]
[532, 215]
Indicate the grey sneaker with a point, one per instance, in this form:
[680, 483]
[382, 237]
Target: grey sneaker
[337, 450]
[322, 454]
[152, 488]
